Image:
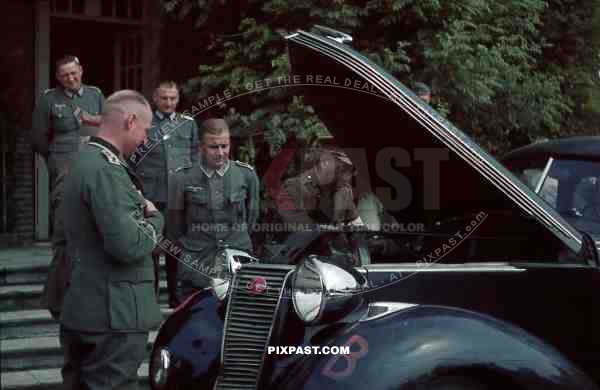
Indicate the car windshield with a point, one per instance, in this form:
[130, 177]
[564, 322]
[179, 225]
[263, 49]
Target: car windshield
[570, 186]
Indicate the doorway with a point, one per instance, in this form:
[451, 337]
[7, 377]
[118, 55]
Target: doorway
[110, 54]
[98, 45]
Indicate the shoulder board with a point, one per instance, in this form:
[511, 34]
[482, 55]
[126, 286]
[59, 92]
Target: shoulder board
[189, 118]
[47, 91]
[243, 164]
[110, 157]
[96, 89]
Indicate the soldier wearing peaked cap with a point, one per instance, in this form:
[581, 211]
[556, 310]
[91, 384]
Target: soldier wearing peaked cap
[216, 203]
[423, 91]
[66, 113]
[171, 148]
[322, 194]
[110, 231]
[63, 118]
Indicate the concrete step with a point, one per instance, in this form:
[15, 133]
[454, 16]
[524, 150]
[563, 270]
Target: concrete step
[35, 323]
[35, 270]
[48, 379]
[20, 297]
[26, 265]
[30, 354]
[36, 274]
[23, 274]
[37, 353]
[27, 296]
[27, 323]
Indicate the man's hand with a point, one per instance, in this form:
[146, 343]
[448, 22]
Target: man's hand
[149, 208]
[90, 120]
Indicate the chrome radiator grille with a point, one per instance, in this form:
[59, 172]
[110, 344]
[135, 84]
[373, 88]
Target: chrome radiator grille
[253, 301]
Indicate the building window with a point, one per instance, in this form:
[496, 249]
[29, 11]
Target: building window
[129, 61]
[123, 9]
[75, 7]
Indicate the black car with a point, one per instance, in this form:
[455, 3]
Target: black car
[565, 173]
[482, 284]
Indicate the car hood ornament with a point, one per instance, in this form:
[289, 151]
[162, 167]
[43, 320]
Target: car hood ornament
[257, 286]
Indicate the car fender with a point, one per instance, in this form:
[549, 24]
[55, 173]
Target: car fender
[416, 345]
[193, 335]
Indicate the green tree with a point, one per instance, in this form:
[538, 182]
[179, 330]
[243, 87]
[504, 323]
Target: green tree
[506, 72]
[572, 31]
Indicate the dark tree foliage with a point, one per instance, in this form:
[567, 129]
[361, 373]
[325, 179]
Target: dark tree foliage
[506, 72]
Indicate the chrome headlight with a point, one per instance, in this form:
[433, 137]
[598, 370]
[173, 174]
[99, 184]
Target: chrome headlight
[308, 291]
[323, 289]
[161, 365]
[226, 263]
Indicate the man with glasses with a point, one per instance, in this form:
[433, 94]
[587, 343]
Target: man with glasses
[64, 117]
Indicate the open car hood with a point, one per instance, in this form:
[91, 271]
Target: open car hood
[422, 168]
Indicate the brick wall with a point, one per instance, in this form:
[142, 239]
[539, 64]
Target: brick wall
[23, 195]
[16, 103]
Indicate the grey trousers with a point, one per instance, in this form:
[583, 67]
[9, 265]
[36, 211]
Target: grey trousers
[99, 361]
[59, 272]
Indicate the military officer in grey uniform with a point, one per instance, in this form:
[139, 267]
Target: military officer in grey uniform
[216, 203]
[64, 117]
[423, 91]
[171, 148]
[321, 194]
[111, 231]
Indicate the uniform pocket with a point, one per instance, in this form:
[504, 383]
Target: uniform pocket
[122, 311]
[133, 305]
[180, 148]
[197, 194]
[197, 203]
[186, 162]
[237, 201]
[192, 246]
[148, 311]
[183, 165]
[63, 120]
